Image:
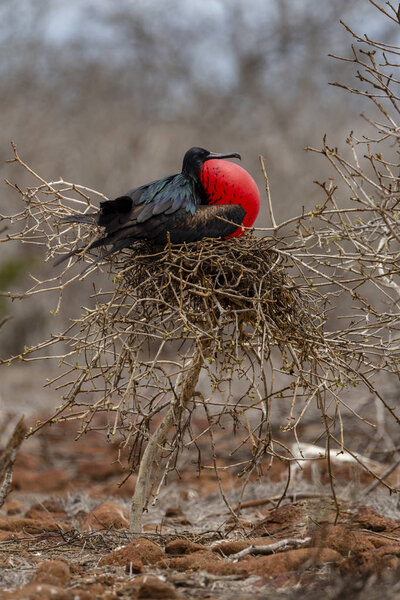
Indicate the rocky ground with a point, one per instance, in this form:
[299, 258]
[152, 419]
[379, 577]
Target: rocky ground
[64, 531]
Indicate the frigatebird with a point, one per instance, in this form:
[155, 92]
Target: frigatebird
[211, 197]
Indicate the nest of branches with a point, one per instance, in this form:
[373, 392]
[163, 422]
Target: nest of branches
[220, 290]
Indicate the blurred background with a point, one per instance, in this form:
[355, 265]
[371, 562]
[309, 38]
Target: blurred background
[111, 94]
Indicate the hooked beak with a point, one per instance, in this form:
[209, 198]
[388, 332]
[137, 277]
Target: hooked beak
[230, 155]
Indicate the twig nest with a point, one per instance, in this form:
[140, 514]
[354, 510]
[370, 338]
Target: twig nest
[237, 287]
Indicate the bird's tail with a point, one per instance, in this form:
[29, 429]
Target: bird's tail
[110, 214]
[96, 244]
[89, 218]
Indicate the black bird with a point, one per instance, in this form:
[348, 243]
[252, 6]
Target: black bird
[185, 207]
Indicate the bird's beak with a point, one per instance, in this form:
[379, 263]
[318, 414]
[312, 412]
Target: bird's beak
[230, 155]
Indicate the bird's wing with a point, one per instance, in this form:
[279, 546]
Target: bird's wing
[164, 196]
[209, 221]
[142, 212]
[216, 221]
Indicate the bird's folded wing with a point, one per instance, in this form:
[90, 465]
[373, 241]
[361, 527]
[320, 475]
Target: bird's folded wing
[209, 221]
[164, 196]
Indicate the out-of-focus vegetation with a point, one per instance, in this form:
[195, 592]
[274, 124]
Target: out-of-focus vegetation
[111, 95]
[10, 272]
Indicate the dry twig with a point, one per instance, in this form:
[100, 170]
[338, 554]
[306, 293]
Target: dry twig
[279, 546]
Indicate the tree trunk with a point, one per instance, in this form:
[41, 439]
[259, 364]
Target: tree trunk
[160, 435]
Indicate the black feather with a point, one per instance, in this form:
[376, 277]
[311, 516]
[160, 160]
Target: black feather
[88, 218]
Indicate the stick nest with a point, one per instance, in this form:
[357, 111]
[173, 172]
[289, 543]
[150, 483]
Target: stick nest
[212, 287]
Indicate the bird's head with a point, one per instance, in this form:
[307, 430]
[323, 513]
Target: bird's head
[196, 157]
[223, 182]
